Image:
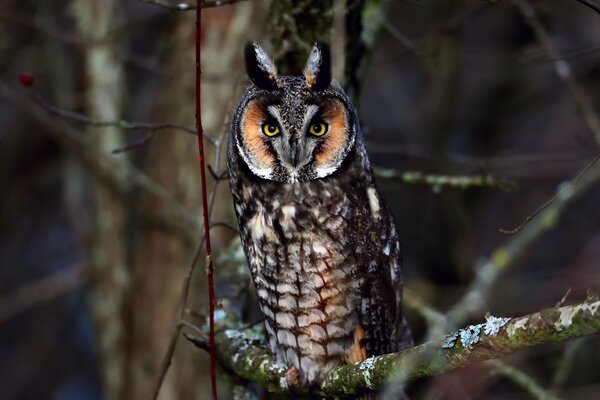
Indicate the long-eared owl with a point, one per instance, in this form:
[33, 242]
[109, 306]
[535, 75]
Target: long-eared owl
[320, 241]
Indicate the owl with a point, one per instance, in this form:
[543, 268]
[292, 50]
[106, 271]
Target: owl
[320, 241]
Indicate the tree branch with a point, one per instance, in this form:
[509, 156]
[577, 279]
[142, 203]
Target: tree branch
[562, 67]
[244, 355]
[591, 4]
[118, 174]
[437, 182]
[182, 6]
[503, 257]
[520, 379]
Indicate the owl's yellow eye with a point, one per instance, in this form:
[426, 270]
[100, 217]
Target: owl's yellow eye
[318, 129]
[270, 129]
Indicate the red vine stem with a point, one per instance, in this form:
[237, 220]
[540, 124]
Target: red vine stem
[209, 267]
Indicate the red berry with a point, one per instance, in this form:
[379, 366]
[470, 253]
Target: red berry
[26, 80]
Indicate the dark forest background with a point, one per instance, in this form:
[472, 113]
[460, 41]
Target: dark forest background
[99, 221]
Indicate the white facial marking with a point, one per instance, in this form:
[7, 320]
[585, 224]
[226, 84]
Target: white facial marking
[274, 111]
[322, 172]
[311, 110]
[262, 172]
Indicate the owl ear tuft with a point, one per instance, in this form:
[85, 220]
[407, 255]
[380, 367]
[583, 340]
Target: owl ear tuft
[260, 68]
[317, 70]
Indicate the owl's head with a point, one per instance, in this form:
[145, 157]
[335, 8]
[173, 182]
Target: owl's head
[293, 128]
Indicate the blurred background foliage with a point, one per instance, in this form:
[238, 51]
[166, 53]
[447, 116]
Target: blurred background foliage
[98, 223]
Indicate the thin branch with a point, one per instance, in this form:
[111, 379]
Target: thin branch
[566, 362]
[522, 380]
[182, 6]
[40, 291]
[200, 343]
[117, 174]
[431, 315]
[547, 203]
[591, 4]
[135, 145]
[436, 318]
[503, 257]
[223, 224]
[437, 182]
[243, 354]
[563, 69]
[205, 209]
[181, 322]
[121, 124]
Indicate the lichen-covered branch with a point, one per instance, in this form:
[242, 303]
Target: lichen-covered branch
[244, 355]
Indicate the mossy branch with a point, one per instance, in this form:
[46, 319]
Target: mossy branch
[437, 182]
[244, 355]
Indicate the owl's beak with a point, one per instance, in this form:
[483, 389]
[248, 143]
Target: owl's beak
[294, 153]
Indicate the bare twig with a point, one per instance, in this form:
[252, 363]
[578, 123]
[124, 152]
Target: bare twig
[223, 224]
[39, 292]
[565, 187]
[563, 69]
[591, 4]
[122, 124]
[504, 256]
[200, 343]
[182, 6]
[132, 146]
[431, 315]
[521, 379]
[118, 174]
[205, 210]
[566, 362]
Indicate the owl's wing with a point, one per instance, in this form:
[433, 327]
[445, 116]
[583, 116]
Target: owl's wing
[380, 310]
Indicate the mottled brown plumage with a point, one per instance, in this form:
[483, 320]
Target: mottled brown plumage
[320, 241]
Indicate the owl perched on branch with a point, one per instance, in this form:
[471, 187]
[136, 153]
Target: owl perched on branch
[320, 241]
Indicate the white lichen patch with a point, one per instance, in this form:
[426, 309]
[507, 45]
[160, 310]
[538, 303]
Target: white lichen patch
[514, 327]
[449, 341]
[568, 313]
[283, 382]
[493, 324]
[469, 336]
[234, 334]
[219, 315]
[277, 368]
[366, 366]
